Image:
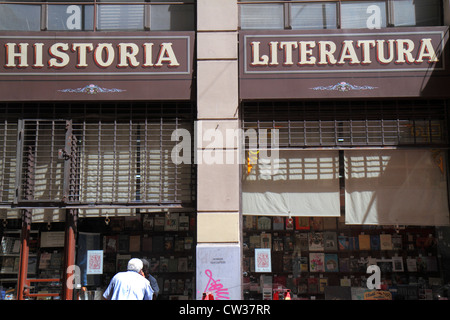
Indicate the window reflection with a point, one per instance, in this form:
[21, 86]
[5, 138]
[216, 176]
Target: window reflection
[314, 16]
[70, 17]
[19, 17]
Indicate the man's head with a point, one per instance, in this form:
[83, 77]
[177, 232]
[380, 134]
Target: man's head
[146, 267]
[135, 264]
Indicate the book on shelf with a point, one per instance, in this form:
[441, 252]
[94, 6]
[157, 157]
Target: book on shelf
[44, 260]
[172, 264]
[364, 241]
[158, 243]
[110, 243]
[132, 222]
[147, 222]
[266, 240]
[277, 243]
[316, 223]
[323, 283]
[147, 243]
[254, 241]
[159, 222]
[353, 242]
[411, 264]
[188, 243]
[183, 222]
[302, 223]
[171, 222]
[182, 264]
[123, 243]
[344, 264]
[315, 241]
[287, 263]
[163, 264]
[375, 242]
[316, 262]
[331, 262]
[302, 285]
[179, 244]
[288, 242]
[397, 242]
[7, 264]
[168, 242]
[250, 222]
[122, 262]
[329, 223]
[300, 242]
[135, 243]
[278, 223]
[330, 241]
[343, 242]
[313, 285]
[264, 223]
[385, 241]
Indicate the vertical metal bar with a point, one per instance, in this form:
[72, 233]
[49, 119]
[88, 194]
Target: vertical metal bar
[19, 157]
[67, 162]
[147, 16]
[98, 159]
[287, 15]
[25, 234]
[24, 253]
[161, 159]
[44, 17]
[5, 132]
[115, 193]
[69, 252]
[131, 161]
[52, 148]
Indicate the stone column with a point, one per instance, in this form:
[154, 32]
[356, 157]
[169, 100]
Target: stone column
[218, 168]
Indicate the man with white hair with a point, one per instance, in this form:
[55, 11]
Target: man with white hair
[130, 284]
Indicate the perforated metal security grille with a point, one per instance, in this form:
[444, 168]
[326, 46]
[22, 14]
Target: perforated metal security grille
[89, 155]
[338, 124]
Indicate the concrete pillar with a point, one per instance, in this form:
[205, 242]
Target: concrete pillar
[218, 175]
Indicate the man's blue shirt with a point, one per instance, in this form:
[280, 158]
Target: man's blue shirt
[128, 285]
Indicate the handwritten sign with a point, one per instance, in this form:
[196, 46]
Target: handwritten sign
[218, 271]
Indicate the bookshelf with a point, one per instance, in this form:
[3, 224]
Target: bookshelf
[167, 241]
[310, 254]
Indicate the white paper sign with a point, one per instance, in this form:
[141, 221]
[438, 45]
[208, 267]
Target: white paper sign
[94, 262]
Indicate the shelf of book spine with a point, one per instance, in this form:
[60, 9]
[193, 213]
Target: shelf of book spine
[166, 241]
[322, 258]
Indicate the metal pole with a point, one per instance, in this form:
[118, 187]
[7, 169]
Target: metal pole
[24, 251]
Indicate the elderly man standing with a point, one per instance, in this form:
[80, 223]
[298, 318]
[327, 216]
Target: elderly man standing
[130, 284]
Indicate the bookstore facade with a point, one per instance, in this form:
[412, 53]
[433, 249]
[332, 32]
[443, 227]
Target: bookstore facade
[358, 172]
[89, 171]
[349, 168]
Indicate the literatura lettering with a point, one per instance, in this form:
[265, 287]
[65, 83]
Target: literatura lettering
[81, 55]
[350, 52]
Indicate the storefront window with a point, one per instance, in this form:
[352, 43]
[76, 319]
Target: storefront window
[70, 17]
[172, 17]
[314, 16]
[262, 16]
[113, 15]
[416, 13]
[363, 14]
[328, 14]
[19, 17]
[120, 17]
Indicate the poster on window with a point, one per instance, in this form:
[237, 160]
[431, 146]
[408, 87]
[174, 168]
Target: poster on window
[263, 261]
[95, 262]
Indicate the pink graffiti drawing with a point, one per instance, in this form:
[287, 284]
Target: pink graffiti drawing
[215, 287]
